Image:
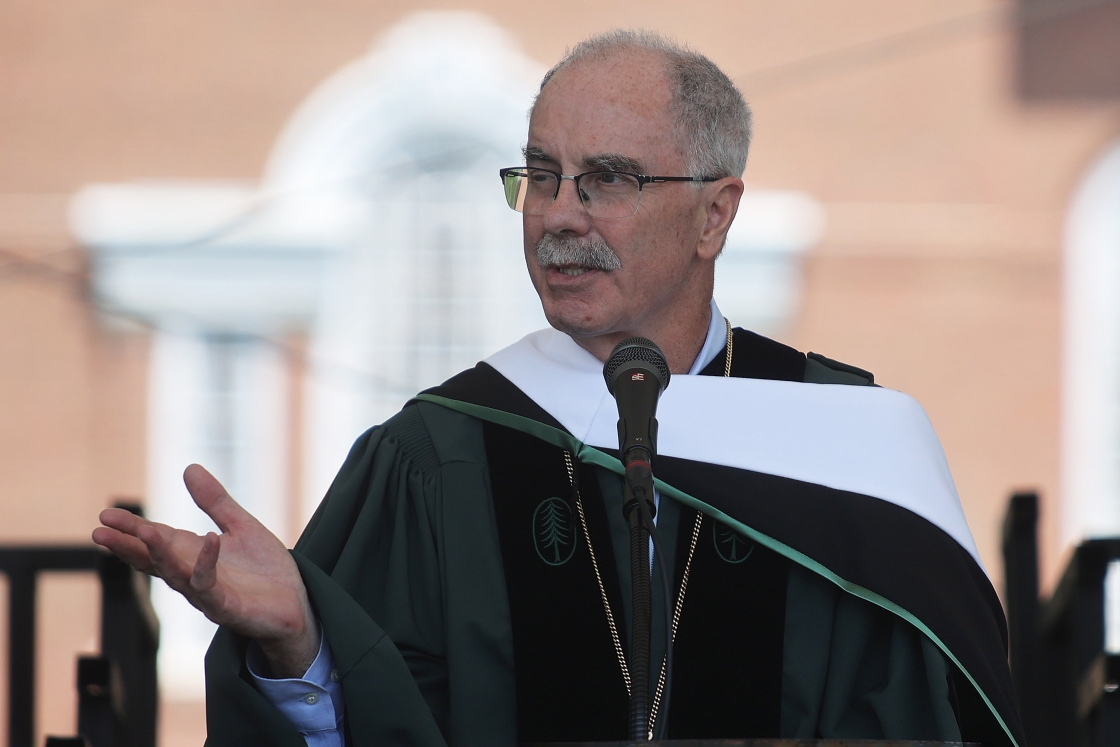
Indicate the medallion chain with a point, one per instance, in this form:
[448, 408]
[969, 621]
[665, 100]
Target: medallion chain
[595, 565]
[730, 342]
[676, 619]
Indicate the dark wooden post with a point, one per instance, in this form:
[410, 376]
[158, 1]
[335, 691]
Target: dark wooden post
[21, 654]
[1020, 559]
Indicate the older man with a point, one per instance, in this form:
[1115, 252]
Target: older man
[465, 579]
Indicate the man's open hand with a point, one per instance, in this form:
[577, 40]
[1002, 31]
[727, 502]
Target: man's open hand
[243, 579]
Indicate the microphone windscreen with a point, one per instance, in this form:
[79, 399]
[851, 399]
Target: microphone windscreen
[636, 349]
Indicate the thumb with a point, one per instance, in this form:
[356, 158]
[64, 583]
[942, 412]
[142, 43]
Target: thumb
[212, 498]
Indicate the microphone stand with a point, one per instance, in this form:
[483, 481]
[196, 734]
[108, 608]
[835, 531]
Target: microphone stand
[639, 509]
[636, 373]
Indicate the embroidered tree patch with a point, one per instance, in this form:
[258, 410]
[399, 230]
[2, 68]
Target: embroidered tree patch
[730, 545]
[554, 535]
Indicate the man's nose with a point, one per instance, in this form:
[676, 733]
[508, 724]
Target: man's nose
[566, 213]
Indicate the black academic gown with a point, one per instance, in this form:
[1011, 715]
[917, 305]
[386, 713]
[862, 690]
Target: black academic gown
[404, 564]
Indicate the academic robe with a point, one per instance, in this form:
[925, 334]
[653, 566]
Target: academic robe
[404, 565]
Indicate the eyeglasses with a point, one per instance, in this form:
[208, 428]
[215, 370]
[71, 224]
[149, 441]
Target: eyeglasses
[604, 194]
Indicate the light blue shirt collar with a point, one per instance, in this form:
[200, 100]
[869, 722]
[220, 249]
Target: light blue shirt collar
[713, 343]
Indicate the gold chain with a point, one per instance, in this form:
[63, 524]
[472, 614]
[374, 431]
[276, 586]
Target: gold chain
[676, 620]
[595, 565]
[684, 578]
[730, 341]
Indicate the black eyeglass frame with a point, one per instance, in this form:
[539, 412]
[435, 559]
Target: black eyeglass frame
[642, 179]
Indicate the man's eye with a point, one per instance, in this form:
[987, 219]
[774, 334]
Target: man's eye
[609, 177]
[539, 177]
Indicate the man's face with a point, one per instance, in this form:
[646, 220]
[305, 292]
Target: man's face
[614, 114]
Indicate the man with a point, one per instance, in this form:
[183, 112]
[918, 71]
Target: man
[465, 579]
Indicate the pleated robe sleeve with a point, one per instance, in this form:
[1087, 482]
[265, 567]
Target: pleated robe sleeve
[403, 567]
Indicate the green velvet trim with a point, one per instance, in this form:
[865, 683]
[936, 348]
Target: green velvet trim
[591, 455]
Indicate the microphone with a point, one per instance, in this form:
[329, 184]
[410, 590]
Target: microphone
[636, 375]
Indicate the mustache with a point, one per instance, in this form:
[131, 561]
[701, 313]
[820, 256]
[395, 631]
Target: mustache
[579, 251]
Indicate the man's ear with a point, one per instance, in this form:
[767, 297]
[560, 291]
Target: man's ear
[721, 201]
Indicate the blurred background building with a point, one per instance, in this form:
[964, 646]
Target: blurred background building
[240, 233]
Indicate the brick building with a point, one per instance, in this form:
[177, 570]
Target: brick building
[935, 197]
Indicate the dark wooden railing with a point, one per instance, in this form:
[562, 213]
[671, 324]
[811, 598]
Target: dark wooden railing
[117, 690]
[1068, 685]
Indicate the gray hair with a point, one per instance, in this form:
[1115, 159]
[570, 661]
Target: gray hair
[713, 121]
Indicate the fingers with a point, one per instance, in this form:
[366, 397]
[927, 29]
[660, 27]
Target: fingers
[126, 547]
[212, 498]
[118, 535]
[122, 520]
[205, 574]
[164, 561]
[206, 594]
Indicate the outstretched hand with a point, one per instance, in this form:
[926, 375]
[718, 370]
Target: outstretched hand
[243, 579]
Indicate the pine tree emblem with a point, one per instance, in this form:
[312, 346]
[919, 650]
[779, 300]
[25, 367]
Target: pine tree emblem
[554, 533]
[730, 545]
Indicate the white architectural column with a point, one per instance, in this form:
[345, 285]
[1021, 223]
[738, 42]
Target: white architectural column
[219, 402]
[1091, 357]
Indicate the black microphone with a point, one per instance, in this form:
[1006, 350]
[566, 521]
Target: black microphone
[636, 374]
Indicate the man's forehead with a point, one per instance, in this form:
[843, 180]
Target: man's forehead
[639, 73]
[623, 98]
[611, 161]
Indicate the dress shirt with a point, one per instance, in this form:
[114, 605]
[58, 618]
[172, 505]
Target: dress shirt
[312, 703]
